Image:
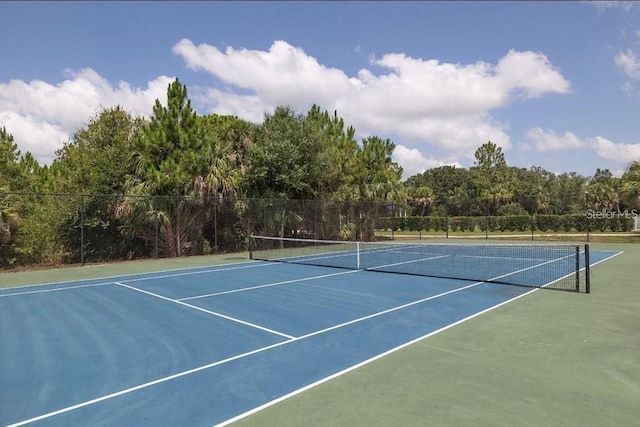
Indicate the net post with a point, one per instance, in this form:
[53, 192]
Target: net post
[250, 247]
[577, 268]
[358, 255]
[587, 277]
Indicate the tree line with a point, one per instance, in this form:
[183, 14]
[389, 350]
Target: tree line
[131, 183]
[492, 187]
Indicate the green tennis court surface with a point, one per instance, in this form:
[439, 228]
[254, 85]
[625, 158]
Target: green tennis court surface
[550, 358]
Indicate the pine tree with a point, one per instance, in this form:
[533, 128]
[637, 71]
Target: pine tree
[171, 156]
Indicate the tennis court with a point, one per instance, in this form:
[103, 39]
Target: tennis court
[209, 345]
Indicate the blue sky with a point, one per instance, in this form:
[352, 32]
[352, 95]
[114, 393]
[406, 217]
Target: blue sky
[556, 84]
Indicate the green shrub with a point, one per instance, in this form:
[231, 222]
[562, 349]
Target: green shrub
[513, 208]
[488, 223]
[438, 223]
[626, 224]
[514, 223]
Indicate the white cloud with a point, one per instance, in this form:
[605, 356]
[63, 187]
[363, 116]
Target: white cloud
[603, 5]
[42, 116]
[620, 153]
[531, 74]
[284, 73]
[414, 162]
[627, 87]
[420, 101]
[40, 138]
[549, 141]
[628, 63]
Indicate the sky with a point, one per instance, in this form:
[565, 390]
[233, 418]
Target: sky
[554, 84]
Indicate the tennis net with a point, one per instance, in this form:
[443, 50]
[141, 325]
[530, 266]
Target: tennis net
[552, 266]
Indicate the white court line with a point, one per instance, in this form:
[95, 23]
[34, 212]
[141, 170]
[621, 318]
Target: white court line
[268, 285]
[485, 281]
[407, 262]
[259, 350]
[188, 273]
[209, 269]
[604, 259]
[230, 359]
[388, 352]
[213, 313]
[250, 262]
[13, 294]
[364, 362]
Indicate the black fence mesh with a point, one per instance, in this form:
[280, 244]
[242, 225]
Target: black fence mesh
[529, 215]
[42, 229]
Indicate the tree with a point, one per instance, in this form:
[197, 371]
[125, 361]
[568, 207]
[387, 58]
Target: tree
[603, 190]
[36, 177]
[171, 165]
[567, 193]
[10, 173]
[630, 184]
[230, 139]
[491, 174]
[93, 167]
[279, 167]
[531, 189]
[171, 150]
[421, 199]
[96, 160]
[330, 150]
[11, 180]
[376, 180]
[451, 186]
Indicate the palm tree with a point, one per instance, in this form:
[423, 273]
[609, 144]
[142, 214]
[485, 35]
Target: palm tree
[630, 184]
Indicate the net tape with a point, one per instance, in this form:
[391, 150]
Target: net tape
[553, 266]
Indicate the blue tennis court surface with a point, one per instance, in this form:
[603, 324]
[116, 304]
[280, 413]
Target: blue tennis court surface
[205, 346]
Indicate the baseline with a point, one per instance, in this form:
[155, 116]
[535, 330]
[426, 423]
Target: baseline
[237, 357]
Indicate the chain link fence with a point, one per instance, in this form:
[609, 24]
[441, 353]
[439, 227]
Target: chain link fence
[53, 229]
[521, 216]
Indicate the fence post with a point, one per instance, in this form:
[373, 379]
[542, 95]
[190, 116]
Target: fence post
[446, 218]
[534, 209]
[532, 226]
[486, 220]
[586, 202]
[155, 215]
[393, 222]
[215, 225]
[82, 229]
